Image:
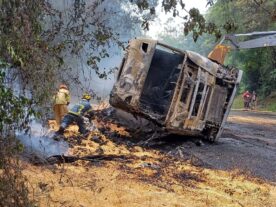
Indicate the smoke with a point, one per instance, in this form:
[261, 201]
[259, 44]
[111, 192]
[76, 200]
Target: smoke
[39, 142]
[116, 15]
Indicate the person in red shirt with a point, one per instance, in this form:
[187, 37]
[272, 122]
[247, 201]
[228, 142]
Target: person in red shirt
[246, 99]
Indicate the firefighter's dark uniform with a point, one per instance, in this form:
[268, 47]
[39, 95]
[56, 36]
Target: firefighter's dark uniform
[75, 115]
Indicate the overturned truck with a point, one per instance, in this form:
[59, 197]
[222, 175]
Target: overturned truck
[181, 91]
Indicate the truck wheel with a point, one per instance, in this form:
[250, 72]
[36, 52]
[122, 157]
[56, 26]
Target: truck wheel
[212, 135]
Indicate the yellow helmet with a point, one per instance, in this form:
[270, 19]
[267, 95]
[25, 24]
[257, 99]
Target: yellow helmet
[86, 96]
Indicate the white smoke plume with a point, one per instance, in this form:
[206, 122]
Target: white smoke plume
[39, 142]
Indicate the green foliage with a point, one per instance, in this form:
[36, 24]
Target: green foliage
[198, 26]
[271, 107]
[193, 21]
[268, 103]
[248, 16]
[239, 16]
[238, 102]
[15, 111]
[32, 60]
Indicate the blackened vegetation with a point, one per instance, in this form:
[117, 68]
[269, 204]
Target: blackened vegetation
[165, 174]
[141, 131]
[58, 159]
[168, 147]
[163, 171]
[150, 137]
[74, 140]
[138, 128]
[168, 175]
[187, 176]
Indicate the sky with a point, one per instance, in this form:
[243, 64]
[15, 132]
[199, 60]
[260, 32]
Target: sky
[160, 23]
[199, 4]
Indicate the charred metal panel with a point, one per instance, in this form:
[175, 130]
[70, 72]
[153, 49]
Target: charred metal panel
[203, 62]
[134, 71]
[230, 102]
[217, 104]
[191, 106]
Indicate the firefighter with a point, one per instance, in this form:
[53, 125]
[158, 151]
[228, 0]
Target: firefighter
[76, 115]
[61, 101]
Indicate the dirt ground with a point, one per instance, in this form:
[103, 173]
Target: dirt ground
[248, 144]
[238, 170]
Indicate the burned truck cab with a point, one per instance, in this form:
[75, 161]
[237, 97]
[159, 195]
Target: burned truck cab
[181, 91]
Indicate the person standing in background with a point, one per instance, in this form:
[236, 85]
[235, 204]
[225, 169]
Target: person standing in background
[254, 101]
[246, 99]
[61, 101]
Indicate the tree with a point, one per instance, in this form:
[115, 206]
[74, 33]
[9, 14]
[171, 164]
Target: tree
[249, 16]
[15, 112]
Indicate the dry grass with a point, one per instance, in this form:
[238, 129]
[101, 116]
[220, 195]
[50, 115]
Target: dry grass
[150, 178]
[13, 184]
